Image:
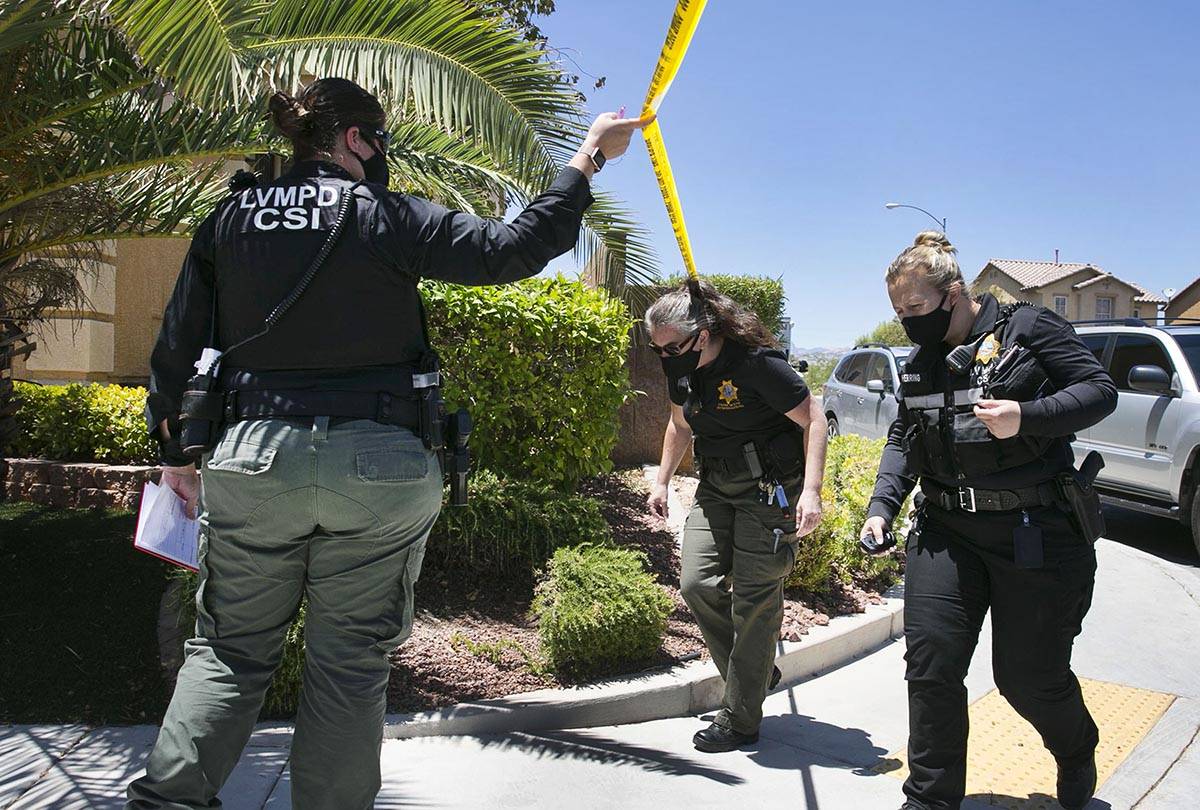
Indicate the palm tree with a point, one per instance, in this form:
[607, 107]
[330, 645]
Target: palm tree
[116, 119]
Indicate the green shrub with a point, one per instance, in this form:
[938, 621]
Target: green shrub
[819, 372]
[761, 295]
[888, 333]
[832, 550]
[510, 528]
[541, 366]
[598, 608]
[75, 422]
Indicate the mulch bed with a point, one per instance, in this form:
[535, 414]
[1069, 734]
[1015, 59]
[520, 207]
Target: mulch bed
[480, 643]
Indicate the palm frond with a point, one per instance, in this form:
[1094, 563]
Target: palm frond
[26, 21]
[196, 46]
[125, 134]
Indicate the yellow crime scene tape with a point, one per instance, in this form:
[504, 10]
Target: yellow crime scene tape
[679, 36]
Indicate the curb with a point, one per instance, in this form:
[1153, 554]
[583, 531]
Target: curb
[686, 690]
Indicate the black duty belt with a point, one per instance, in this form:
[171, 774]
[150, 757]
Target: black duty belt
[727, 464]
[381, 406]
[972, 499]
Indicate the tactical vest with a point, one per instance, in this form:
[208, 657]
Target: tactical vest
[943, 438]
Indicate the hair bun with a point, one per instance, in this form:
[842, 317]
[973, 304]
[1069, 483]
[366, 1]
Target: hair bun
[934, 239]
[288, 114]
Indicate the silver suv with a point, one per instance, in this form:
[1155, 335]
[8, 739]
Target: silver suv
[860, 396]
[1151, 442]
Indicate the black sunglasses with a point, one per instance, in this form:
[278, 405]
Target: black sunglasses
[676, 349]
[380, 138]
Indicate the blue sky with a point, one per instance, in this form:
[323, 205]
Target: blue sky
[1029, 126]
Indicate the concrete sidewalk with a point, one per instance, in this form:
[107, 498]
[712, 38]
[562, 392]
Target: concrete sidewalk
[820, 742]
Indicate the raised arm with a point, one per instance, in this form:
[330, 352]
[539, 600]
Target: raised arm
[434, 242]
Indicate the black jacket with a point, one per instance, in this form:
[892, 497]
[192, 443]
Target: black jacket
[1083, 395]
[362, 309]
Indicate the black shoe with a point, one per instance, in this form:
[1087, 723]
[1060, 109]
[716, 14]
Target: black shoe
[776, 676]
[716, 739]
[1076, 786]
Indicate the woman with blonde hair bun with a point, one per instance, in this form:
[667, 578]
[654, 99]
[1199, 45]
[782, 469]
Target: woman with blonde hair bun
[990, 399]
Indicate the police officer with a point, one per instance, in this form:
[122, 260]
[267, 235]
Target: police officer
[323, 484]
[760, 441]
[989, 400]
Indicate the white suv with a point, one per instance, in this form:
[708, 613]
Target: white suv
[1150, 443]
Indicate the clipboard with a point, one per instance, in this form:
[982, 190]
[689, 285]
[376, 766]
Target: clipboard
[164, 530]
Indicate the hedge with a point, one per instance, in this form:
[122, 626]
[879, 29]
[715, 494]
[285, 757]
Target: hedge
[761, 295]
[82, 423]
[509, 529]
[541, 367]
[831, 552]
[597, 609]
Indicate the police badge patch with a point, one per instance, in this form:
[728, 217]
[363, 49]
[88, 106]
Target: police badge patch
[727, 396]
[988, 349]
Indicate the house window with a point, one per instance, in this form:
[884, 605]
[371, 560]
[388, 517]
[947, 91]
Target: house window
[1060, 305]
[1104, 308]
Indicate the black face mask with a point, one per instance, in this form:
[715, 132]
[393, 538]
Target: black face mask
[676, 366]
[375, 168]
[929, 329]
[681, 365]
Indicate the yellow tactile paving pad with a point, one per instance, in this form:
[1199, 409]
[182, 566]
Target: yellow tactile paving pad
[1007, 766]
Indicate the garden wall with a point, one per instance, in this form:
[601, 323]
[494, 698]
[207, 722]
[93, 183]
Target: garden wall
[74, 485]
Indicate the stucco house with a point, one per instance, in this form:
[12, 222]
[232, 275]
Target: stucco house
[110, 340]
[1185, 303]
[1075, 291]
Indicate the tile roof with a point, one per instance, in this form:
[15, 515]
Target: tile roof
[1146, 296]
[1031, 275]
[1101, 277]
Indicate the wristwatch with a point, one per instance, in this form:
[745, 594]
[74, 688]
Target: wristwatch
[596, 157]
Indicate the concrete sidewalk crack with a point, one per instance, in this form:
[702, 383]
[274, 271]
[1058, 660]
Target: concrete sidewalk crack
[50, 767]
[275, 784]
[1174, 762]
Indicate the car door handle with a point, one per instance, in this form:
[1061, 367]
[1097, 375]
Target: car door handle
[861, 400]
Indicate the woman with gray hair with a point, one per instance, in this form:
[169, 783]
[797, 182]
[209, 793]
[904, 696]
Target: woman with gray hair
[760, 444]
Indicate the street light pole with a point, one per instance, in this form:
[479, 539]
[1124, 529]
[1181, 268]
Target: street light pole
[941, 221]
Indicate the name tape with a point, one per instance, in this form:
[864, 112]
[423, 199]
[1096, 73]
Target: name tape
[679, 36]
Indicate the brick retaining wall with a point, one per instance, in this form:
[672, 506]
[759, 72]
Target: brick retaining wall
[56, 483]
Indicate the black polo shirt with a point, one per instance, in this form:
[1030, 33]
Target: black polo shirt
[741, 395]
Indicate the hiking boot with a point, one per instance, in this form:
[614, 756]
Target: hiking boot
[716, 739]
[1077, 785]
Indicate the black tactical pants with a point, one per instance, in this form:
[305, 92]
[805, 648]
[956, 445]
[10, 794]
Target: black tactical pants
[959, 565]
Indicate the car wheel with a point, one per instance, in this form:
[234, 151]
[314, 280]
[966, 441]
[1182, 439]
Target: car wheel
[834, 430]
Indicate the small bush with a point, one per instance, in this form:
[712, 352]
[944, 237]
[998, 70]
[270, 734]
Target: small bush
[832, 550]
[541, 367]
[75, 422]
[598, 608]
[509, 529]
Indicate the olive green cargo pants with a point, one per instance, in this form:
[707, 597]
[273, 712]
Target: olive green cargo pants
[732, 579]
[338, 514]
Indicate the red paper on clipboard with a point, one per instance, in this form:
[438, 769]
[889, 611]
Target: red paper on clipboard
[164, 530]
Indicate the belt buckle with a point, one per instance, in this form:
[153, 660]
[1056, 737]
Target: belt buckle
[963, 500]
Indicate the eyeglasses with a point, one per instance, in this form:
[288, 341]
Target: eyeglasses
[676, 349]
[381, 138]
